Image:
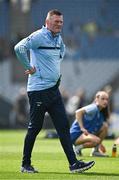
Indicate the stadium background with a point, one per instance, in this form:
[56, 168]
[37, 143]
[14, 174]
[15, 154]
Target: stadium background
[91, 35]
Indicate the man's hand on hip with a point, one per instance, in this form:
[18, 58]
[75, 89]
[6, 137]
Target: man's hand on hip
[30, 71]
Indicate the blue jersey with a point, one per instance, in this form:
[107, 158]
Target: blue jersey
[46, 53]
[92, 119]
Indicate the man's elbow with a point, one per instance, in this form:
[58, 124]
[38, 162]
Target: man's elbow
[16, 48]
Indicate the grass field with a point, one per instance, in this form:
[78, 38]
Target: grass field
[50, 160]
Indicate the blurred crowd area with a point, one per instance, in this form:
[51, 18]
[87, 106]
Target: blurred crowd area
[91, 27]
[91, 35]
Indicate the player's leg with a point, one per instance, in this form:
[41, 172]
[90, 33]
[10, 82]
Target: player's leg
[84, 141]
[58, 115]
[100, 150]
[88, 141]
[102, 133]
[60, 121]
[37, 112]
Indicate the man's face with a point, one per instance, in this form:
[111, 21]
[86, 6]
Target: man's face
[55, 23]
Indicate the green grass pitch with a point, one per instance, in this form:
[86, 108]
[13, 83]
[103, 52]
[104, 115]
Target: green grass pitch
[50, 160]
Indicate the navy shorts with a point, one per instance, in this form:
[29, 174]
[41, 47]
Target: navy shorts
[74, 136]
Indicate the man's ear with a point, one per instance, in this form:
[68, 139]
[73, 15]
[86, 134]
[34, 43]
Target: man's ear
[46, 22]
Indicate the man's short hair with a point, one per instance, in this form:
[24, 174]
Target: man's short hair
[53, 12]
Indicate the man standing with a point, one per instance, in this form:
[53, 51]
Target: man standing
[46, 52]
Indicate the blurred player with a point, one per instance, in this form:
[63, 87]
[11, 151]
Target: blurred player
[90, 127]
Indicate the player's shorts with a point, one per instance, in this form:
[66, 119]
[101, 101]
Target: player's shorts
[74, 136]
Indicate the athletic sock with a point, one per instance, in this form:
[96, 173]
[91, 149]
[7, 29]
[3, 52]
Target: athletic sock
[79, 146]
[96, 148]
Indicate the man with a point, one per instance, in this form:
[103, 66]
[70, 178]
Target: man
[90, 127]
[46, 52]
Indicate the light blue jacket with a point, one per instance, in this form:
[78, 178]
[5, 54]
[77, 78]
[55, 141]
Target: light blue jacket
[46, 54]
